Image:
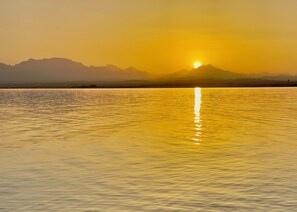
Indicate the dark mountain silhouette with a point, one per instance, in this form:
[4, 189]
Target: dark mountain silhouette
[65, 70]
[60, 72]
[206, 72]
[211, 72]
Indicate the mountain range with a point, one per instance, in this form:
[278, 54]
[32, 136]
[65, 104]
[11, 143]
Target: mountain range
[65, 70]
[61, 70]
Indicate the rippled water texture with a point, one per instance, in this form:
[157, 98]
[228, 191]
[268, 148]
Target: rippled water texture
[148, 150]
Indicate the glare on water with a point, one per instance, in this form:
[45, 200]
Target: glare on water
[194, 149]
[197, 120]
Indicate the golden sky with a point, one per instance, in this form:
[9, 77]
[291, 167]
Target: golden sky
[247, 36]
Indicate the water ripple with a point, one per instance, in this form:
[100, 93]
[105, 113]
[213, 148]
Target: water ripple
[148, 150]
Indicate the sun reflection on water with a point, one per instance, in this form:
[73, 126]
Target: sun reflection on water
[197, 119]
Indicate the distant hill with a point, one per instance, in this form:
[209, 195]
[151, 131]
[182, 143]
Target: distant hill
[205, 72]
[65, 70]
[211, 72]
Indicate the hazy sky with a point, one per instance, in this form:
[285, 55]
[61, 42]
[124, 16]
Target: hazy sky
[245, 36]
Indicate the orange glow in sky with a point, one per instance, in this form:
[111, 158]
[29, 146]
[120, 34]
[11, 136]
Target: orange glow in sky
[157, 36]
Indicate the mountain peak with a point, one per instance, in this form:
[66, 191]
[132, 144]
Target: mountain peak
[57, 61]
[112, 67]
[205, 72]
[130, 68]
[210, 71]
[203, 67]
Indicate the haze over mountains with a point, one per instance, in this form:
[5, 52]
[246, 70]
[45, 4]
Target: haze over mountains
[65, 70]
[61, 70]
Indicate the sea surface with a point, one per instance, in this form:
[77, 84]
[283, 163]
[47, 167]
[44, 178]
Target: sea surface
[224, 149]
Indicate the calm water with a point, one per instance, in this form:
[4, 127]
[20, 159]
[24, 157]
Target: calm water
[148, 150]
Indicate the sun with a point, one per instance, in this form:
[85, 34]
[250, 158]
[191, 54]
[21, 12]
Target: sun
[197, 64]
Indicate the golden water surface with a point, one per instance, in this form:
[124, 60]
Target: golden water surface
[227, 149]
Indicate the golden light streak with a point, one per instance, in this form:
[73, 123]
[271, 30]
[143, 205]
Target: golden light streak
[197, 119]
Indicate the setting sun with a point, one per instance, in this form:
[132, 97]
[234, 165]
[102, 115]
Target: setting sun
[197, 64]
